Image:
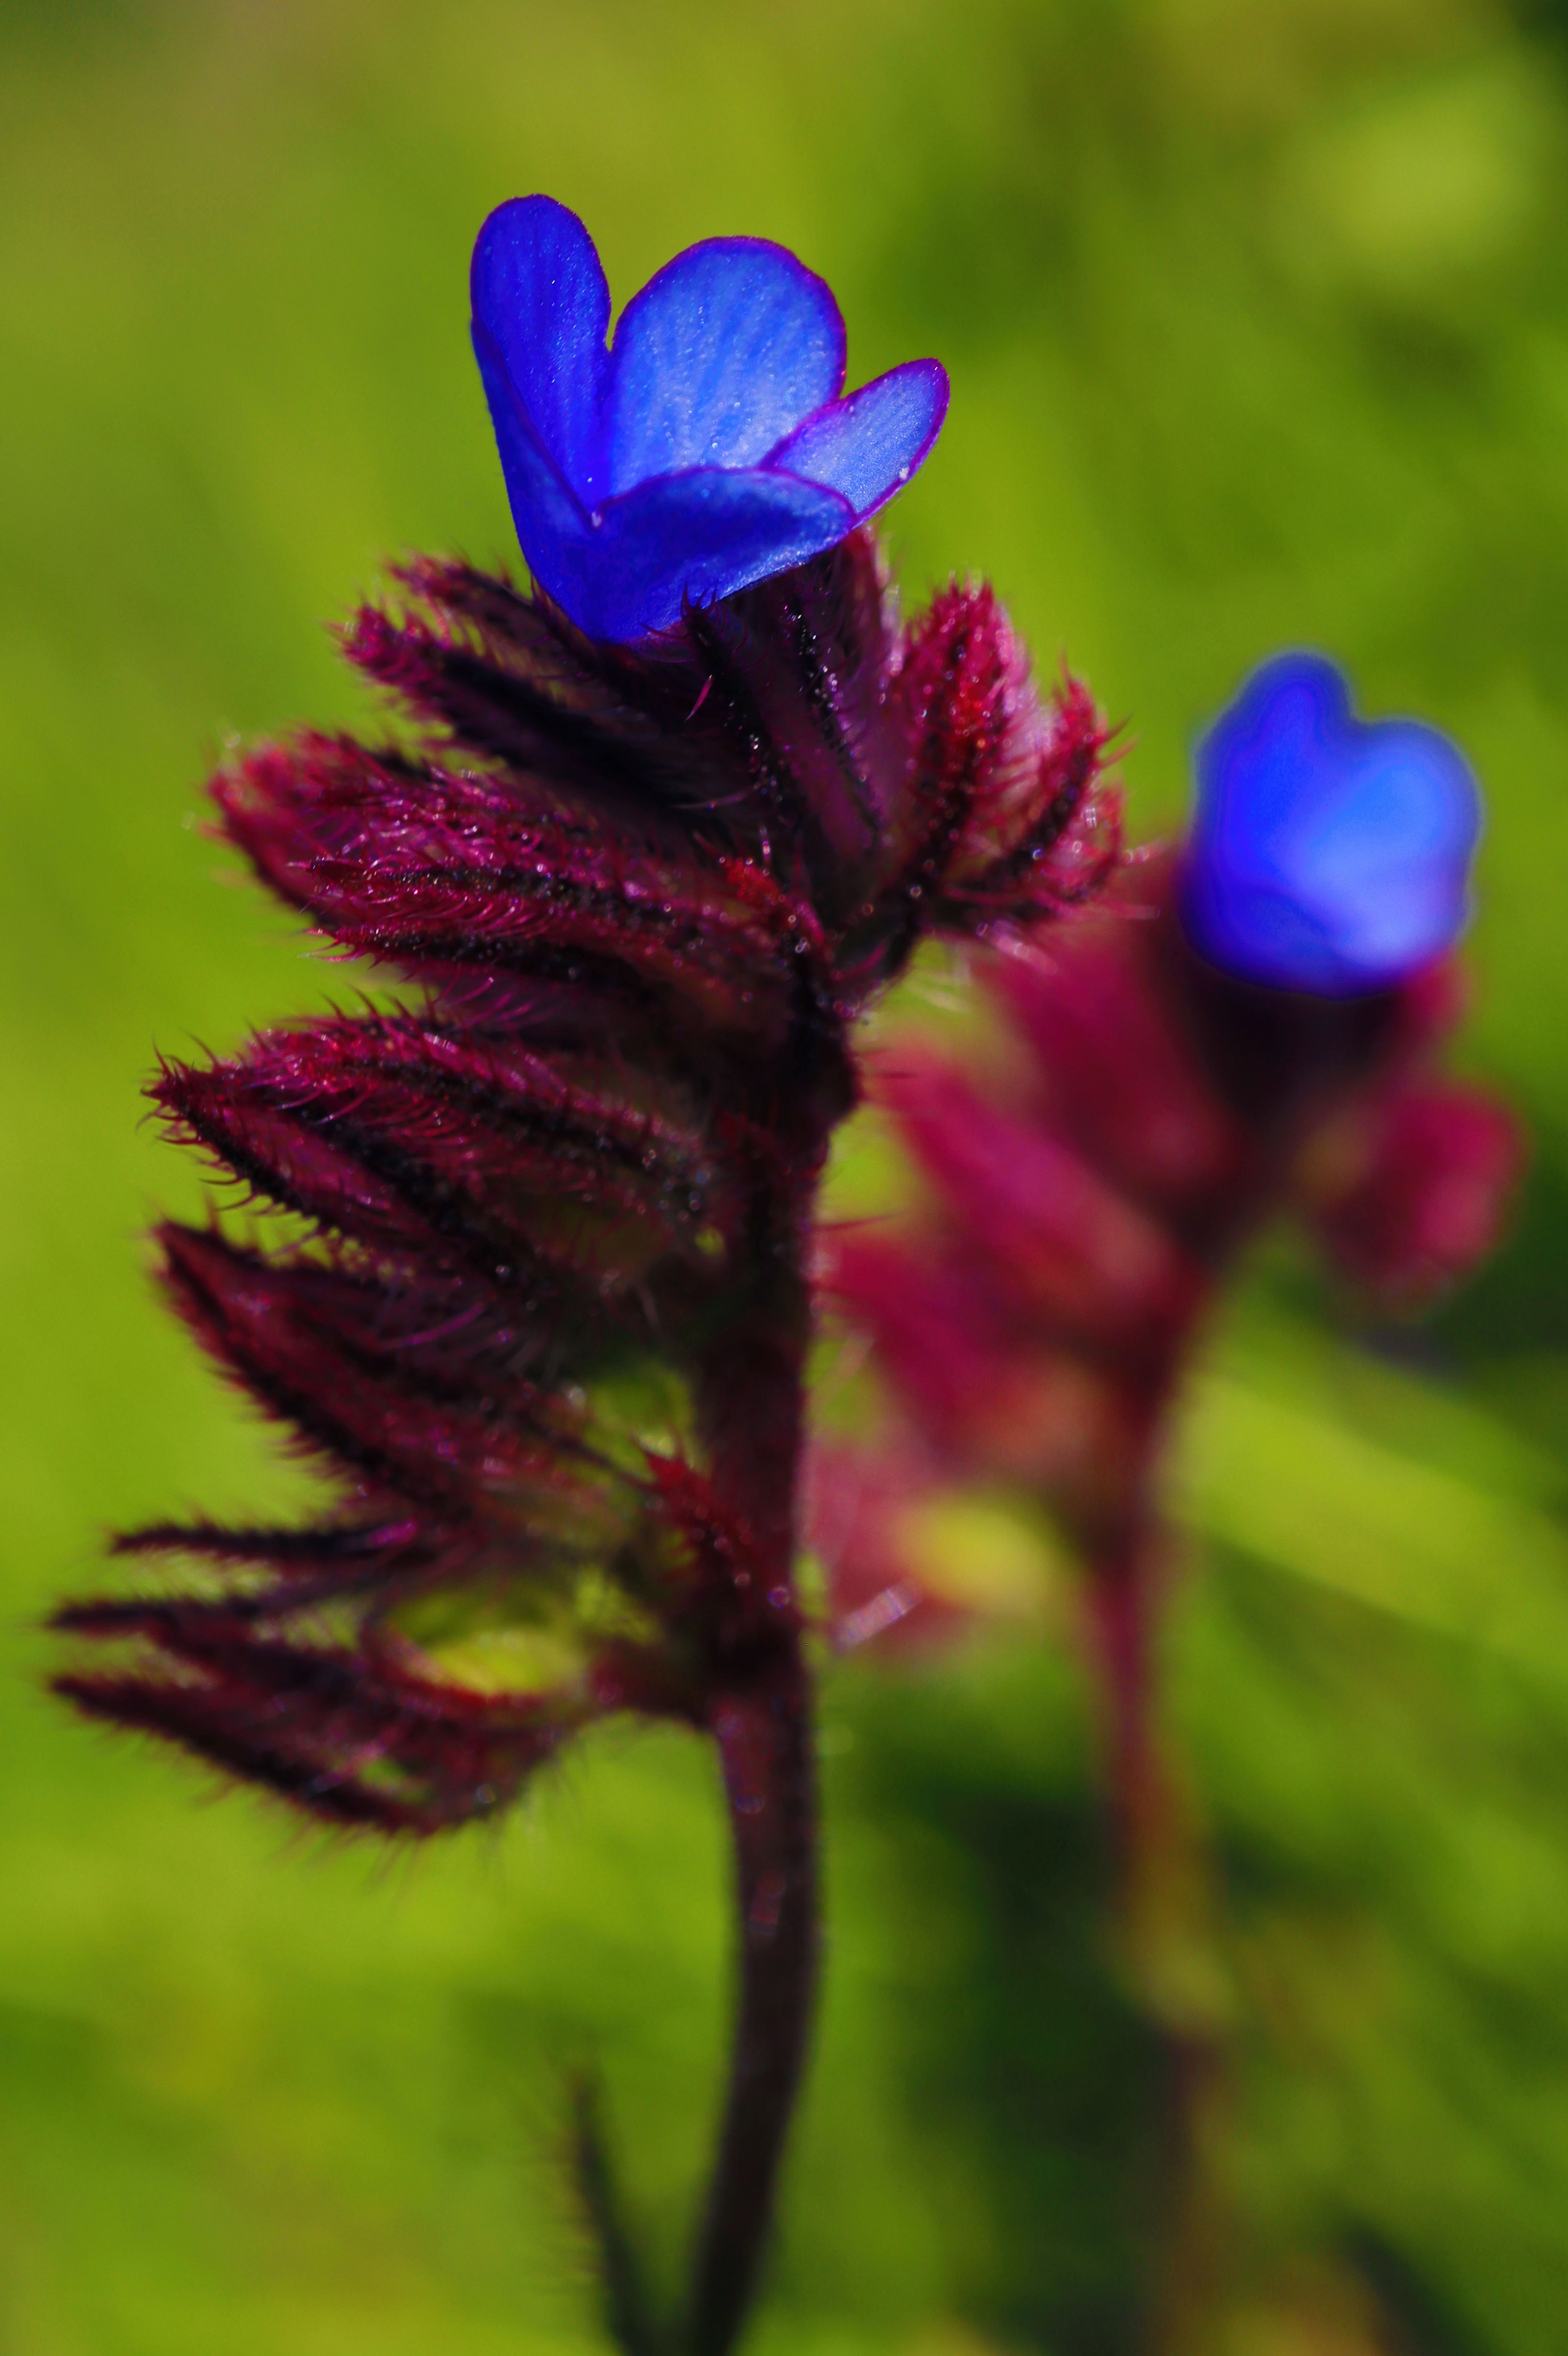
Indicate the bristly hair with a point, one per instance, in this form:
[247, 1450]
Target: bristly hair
[539, 1305]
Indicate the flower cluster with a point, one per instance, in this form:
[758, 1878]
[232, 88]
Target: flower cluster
[550, 1213]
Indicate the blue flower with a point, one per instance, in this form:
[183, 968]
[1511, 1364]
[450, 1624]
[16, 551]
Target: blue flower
[707, 447]
[1328, 854]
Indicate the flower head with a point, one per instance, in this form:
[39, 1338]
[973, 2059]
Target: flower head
[1328, 854]
[705, 449]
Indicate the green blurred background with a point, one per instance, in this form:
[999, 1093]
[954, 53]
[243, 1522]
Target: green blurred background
[1257, 315]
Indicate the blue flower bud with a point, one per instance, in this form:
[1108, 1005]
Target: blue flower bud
[1328, 854]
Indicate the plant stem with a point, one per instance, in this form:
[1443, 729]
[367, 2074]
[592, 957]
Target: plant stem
[628, 2318]
[751, 1409]
[1167, 1938]
[765, 1738]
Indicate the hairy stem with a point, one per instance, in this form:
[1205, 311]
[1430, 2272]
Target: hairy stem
[764, 1739]
[762, 1721]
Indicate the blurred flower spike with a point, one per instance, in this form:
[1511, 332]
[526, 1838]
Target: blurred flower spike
[707, 447]
[1253, 1030]
[1328, 854]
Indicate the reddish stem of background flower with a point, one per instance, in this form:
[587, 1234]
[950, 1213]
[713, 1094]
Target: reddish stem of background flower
[1163, 1908]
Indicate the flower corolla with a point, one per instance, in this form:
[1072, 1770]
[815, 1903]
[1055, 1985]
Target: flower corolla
[707, 447]
[1328, 854]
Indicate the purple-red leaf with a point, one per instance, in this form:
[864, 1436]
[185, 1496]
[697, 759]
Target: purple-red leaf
[437, 873]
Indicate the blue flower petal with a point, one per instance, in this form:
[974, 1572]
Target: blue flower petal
[699, 535]
[719, 357]
[552, 525]
[1328, 854]
[869, 446]
[539, 295]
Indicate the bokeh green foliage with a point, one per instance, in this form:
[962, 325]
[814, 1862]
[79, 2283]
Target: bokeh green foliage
[1257, 314]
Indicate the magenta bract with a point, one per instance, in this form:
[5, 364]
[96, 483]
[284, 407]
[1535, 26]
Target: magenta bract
[536, 1303]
